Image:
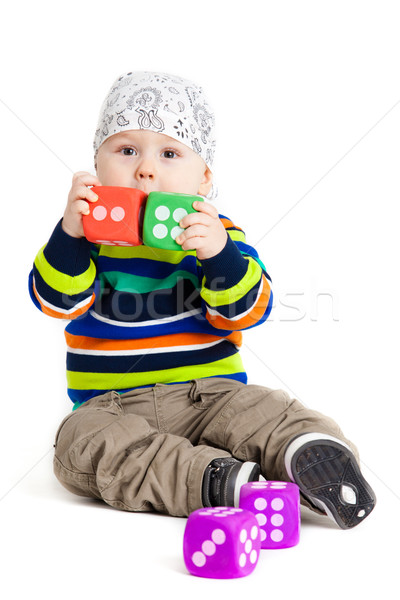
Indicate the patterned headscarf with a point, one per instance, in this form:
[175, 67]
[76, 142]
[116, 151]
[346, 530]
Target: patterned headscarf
[162, 103]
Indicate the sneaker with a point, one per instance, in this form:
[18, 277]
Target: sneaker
[223, 479]
[328, 475]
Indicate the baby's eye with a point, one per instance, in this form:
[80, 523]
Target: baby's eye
[128, 151]
[169, 154]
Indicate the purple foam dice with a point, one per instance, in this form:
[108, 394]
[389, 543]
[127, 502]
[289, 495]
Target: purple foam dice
[221, 542]
[276, 505]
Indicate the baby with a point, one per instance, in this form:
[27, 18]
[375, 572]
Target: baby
[163, 416]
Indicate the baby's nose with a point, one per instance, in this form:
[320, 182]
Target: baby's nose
[146, 170]
[146, 174]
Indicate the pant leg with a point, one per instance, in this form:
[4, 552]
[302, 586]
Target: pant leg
[116, 448]
[257, 423]
[106, 451]
[250, 422]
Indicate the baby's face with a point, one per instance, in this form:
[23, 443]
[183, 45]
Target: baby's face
[152, 162]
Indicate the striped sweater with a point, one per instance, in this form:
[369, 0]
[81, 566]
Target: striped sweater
[139, 315]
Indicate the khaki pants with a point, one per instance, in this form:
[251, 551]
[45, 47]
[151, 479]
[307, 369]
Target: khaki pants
[147, 449]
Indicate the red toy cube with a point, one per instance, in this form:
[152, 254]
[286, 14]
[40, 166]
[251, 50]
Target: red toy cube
[116, 218]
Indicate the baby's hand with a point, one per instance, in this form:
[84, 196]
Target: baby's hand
[77, 204]
[204, 231]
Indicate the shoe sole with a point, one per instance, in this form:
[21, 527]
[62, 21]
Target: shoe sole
[328, 475]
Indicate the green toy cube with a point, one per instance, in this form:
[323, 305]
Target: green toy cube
[162, 216]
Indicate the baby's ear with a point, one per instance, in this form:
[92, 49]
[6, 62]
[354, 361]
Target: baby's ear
[206, 184]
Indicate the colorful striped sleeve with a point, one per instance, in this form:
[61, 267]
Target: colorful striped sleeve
[62, 280]
[236, 288]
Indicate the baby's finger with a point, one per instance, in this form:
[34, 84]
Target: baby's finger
[193, 218]
[191, 244]
[206, 208]
[85, 178]
[91, 195]
[195, 231]
[82, 207]
[83, 192]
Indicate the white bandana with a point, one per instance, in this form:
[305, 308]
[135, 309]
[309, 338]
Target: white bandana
[162, 103]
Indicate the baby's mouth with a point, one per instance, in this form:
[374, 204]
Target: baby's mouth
[146, 188]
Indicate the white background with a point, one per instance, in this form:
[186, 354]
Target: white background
[307, 98]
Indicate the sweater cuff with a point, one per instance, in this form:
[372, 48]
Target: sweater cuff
[67, 254]
[226, 269]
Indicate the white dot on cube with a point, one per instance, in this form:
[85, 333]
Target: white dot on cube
[175, 231]
[278, 486]
[242, 560]
[199, 559]
[263, 535]
[259, 484]
[162, 213]
[248, 546]
[260, 504]
[253, 557]
[261, 518]
[276, 535]
[117, 213]
[277, 520]
[277, 504]
[218, 536]
[99, 213]
[254, 532]
[208, 548]
[243, 536]
[160, 231]
[178, 214]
